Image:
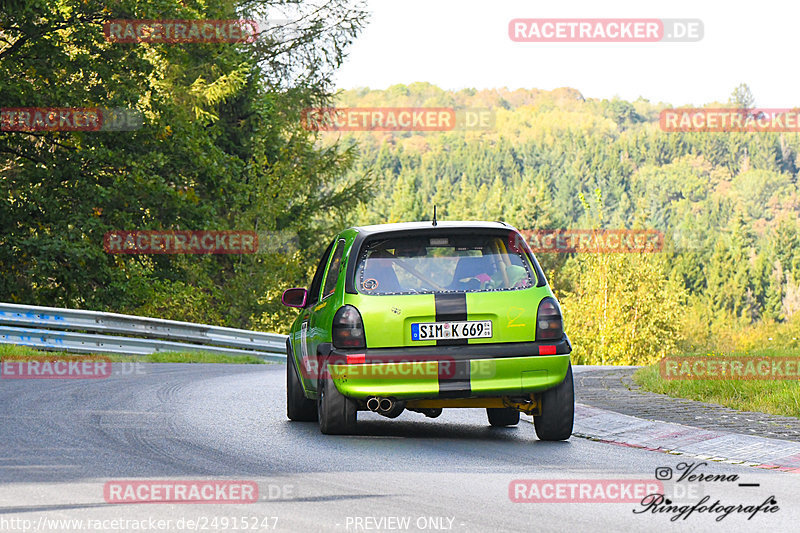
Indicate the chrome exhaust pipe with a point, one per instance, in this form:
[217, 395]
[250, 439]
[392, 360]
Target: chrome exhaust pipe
[385, 406]
[391, 408]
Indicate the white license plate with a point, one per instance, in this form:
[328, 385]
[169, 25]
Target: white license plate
[431, 331]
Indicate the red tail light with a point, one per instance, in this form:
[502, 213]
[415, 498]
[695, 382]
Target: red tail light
[348, 329]
[549, 324]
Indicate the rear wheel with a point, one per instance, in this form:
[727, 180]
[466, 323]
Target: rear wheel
[502, 416]
[298, 407]
[337, 413]
[558, 411]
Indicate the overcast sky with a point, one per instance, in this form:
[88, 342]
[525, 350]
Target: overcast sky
[464, 43]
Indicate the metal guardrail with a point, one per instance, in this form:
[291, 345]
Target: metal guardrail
[52, 328]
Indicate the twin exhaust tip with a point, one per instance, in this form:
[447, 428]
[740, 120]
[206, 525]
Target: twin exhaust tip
[379, 404]
[385, 407]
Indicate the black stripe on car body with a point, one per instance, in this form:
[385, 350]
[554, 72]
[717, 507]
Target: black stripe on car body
[451, 307]
[454, 379]
[453, 375]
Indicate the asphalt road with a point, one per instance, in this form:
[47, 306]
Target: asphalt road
[62, 441]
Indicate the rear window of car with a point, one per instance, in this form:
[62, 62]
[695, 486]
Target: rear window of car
[442, 264]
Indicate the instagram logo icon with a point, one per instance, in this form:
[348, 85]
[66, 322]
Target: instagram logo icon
[663, 473]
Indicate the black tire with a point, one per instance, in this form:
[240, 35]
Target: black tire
[502, 416]
[558, 411]
[337, 413]
[298, 407]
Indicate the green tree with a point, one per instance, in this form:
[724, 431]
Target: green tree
[620, 308]
[222, 147]
[742, 97]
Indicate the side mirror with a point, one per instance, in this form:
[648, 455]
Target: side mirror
[295, 297]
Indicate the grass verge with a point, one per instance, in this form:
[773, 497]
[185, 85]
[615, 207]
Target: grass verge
[8, 351]
[778, 397]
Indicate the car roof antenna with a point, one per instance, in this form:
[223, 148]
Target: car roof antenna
[434, 214]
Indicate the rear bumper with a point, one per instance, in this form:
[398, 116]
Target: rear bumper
[450, 371]
[457, 352]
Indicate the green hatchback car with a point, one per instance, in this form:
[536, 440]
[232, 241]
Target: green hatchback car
[424, 316]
